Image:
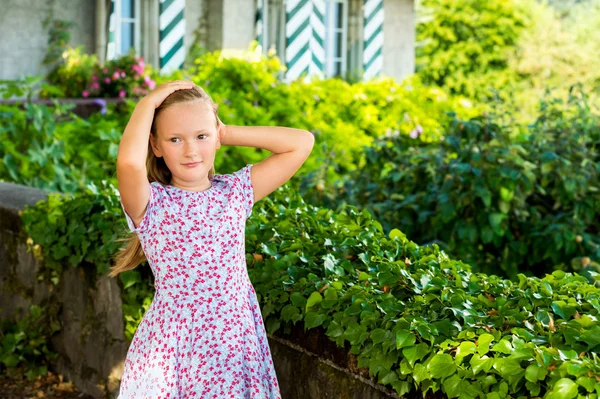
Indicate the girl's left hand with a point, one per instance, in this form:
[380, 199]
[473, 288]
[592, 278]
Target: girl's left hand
[222, 131]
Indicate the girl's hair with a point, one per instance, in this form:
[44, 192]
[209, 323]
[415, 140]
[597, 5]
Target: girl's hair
[132, 254]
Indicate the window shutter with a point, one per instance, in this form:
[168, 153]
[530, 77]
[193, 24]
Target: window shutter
[373, 38]
[172, 32]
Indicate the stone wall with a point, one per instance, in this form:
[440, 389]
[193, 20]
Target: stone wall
[91, 342]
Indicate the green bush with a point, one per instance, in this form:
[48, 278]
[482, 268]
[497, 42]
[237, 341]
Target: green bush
[25, 347]
[80, 75]
[416, 318]
[465, 45]
[501, 198]
[343, 117]
[51, 148]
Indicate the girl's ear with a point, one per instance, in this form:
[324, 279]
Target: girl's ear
[155, 149]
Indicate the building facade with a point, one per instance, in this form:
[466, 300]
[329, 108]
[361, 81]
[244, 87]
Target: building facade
[352, 39]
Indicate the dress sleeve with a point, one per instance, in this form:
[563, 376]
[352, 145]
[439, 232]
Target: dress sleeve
[148, 215]
[244, 182]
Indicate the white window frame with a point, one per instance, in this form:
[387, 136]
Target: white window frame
[331, 31]
[136, 23]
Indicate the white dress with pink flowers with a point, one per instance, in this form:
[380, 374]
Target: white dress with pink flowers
[203, 335]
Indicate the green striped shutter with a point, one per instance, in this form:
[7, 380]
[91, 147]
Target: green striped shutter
[305, 35]
[373, 39]
[171, 36]
[111, 45]
[317, 42]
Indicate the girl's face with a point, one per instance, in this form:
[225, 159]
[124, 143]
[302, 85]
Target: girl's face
[187, 133]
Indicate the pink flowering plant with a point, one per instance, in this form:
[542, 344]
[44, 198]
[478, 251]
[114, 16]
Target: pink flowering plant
[127, 76]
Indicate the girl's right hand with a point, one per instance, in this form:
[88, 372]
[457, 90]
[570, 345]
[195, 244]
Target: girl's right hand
[162, 91]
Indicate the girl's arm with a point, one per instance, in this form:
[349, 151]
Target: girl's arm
[290, 147]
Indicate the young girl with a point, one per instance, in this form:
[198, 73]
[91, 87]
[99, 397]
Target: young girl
[203, 336]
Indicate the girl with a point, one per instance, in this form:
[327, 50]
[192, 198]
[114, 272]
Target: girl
[203, 335]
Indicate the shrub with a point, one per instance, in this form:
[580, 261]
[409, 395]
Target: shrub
[416, 318]
[492, 195]
[465, 45]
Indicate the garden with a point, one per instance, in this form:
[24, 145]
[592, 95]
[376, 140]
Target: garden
[444, 229]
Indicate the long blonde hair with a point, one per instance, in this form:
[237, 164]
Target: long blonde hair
[131, 254]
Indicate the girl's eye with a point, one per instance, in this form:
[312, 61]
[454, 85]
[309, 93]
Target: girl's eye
[177, 138]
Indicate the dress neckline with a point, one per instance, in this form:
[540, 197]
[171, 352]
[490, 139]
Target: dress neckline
[192, 192]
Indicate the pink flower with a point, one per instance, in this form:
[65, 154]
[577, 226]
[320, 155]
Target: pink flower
[416, 132]
[116, 76]
[105, 70]
[94, 78]
[151, 85]
[95, 85]
[85, 93]
[107, 80]
[122, 93]
[123, 74]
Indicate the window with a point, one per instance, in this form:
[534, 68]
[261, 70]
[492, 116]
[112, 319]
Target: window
[124, 28]
[336, 27]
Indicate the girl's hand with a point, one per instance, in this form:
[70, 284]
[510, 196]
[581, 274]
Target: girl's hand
[162, 91]
[222, 131]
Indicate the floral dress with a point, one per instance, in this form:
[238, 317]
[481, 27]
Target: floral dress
[203, 335]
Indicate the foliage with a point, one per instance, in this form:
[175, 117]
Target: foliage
[69, 79]
[416, 318]
[344, 118]
[81, 75]
[25, 344]
[492, 195]
[72, 229]
[53, 149]
[58, 36]
[465, 45]
[126, 76]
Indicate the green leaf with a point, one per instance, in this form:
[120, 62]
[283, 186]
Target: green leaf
[388, 378]
[405, 338]
[481, 363]
[452, 386]
[535, 373]
[483, 343]
[421, 373]
[441, 365]
[464, 349]
[496, 222]
[313, 299]
[314, 319]
[379, 335]
[565, 388]
[504, 346]
[414, 353]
